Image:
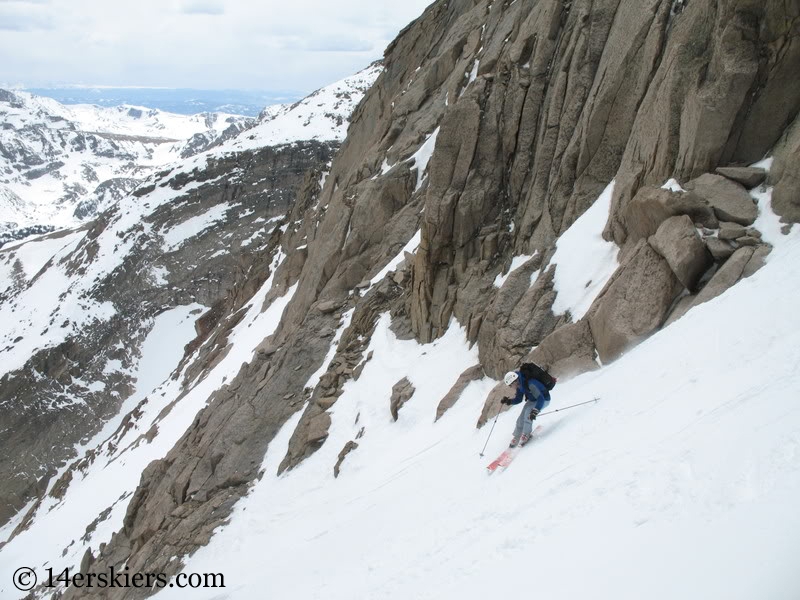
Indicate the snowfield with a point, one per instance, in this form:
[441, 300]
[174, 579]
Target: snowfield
[682, 482]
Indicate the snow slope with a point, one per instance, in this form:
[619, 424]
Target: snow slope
[683, 482]
[584, 260]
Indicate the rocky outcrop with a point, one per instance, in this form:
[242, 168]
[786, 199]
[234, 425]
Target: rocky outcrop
[634, 303]
[677, 241]
[309, 435]
[451, 397]
[518, 318]
[402, 391]
[348, 448]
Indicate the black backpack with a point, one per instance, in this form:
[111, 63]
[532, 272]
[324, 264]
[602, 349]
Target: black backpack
[534, 371]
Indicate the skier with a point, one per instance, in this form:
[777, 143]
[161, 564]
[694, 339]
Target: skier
[536, 396]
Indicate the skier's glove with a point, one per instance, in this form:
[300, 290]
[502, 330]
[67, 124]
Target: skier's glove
[534, 413]
[505, 401]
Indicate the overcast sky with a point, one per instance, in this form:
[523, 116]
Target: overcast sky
[295, 45]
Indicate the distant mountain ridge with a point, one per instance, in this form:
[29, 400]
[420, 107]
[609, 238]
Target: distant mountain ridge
[61, 163]
[183, 101]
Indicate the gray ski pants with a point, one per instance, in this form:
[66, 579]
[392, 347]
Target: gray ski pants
[524, 421]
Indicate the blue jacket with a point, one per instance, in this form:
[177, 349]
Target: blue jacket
[531, 390]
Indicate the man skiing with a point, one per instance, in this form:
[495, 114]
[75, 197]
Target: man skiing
[536, 396]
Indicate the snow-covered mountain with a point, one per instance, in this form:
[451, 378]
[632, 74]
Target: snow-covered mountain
[59, 163]
[323, 115]
[64, 163]
[280, 363]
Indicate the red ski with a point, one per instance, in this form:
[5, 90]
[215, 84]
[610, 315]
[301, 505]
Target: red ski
[508, 455]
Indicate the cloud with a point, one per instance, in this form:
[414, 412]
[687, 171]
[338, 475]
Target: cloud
[202, 7]
[269, 45]
[14, 19]
[337, 43]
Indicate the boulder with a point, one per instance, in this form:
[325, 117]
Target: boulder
[567, 352]
[757, 260]
[677, 241]
[474, 373]
[749, 177]
[748, 240]
[328, 306]
[326, 402]
[753, 232]
[318, 428]
[731, 231]
[730, 200]
[728, 274]
[720, 249]
[401, 393]
[634, 304]
[652, 206]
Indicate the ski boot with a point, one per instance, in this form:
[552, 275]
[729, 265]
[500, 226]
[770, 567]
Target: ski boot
[513, 443]
[524, 440]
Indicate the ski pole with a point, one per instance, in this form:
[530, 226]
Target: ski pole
[490, 433]
[549, 412]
